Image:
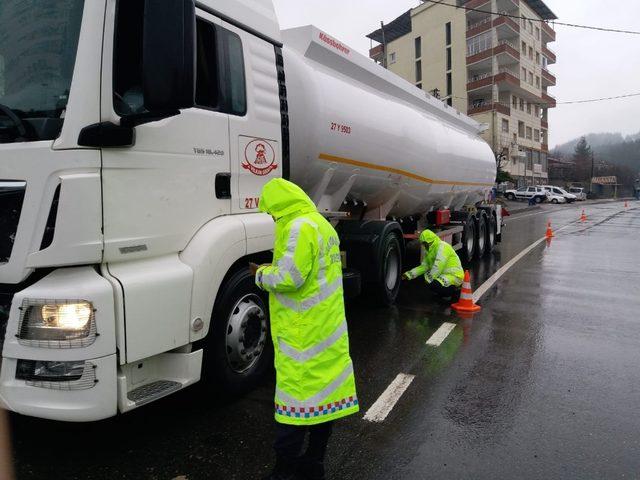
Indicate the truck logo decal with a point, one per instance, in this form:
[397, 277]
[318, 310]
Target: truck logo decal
[334, 43]
[259, 157]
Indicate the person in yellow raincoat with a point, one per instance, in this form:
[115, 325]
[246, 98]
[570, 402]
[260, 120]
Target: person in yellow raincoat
[315, 383]
[440, 267]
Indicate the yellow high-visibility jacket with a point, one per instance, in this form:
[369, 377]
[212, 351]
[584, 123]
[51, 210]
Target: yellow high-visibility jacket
[441, 262]
[314, 374]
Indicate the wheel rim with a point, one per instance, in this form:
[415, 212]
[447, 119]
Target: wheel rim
[392, 268]
[246, 333]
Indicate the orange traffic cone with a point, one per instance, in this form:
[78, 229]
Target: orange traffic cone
[583, 217]
[466, 303]
[549, 231]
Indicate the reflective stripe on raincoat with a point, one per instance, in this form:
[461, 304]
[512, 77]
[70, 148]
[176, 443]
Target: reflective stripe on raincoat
[314, 374]
[441, 263]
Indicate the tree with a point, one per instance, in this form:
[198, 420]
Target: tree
[582, 157]
[502, 175]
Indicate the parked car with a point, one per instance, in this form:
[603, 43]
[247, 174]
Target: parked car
[569, 197]
[553, 197]
[579, 192]
[525, 193]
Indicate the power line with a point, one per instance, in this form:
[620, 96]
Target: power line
[571, 102]
[519, 17]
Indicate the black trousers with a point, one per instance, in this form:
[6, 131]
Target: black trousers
[290, 438]
[445, 292]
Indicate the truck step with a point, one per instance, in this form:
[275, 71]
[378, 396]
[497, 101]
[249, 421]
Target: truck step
[152, 391]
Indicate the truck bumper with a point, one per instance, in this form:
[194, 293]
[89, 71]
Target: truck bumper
[95, 403]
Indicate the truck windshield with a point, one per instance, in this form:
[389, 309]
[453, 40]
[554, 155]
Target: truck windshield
[38, 43]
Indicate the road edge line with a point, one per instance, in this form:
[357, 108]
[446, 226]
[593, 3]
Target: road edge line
[378, 412]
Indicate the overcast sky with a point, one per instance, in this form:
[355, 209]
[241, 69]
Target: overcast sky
[591, 64]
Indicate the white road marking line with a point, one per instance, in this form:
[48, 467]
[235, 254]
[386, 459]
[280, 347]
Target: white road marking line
[385, 403]
[441, 334]
[484, 288]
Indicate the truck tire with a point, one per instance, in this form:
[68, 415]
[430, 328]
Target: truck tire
[390, 269]
[481, 235]
[492, 228]
[468, 239]
[239, 350]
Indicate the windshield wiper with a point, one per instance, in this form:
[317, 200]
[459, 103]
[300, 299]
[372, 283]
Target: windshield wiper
[19, 124]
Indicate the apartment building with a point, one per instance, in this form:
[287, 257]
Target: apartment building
[489, 60]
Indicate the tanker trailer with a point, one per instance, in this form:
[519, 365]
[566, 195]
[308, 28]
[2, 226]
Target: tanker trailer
[392, 159]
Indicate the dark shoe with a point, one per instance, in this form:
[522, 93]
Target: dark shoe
[284, 470]
[309, 469]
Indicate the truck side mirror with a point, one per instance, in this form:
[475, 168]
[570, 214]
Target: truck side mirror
[169, 55]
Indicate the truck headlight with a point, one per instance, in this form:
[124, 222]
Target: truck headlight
[57, 323]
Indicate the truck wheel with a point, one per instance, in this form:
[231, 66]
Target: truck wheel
[239, 351]
[481, 236]
[492, 228]
[468, 239]
[390, 268]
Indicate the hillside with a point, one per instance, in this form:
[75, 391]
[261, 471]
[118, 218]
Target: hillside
[610, 148]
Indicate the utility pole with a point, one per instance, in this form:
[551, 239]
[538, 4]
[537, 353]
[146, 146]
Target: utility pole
[384, 46]
[591, 179]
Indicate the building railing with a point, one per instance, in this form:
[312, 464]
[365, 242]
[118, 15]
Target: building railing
[510, 72]
[482, 106]
[479, 24]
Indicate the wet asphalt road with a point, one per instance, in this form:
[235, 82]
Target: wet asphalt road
[543, 383]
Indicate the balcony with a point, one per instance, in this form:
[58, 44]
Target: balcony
[489, 107]
[507, 26]
[377, 53]
[544, 124]
[549, 100]
[507, 53]
[544, 147]
[477, 3]
[480, 82]
[548, 33]
[551, 56]
[508, 78]
[479, 27]
[548, 79]
[480, 56]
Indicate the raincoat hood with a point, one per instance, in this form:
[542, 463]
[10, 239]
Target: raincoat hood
[281, 198]
[429, 237]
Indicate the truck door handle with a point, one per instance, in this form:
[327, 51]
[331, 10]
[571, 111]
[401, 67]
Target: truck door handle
[223, 186]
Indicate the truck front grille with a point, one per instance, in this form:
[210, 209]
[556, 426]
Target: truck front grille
[11, 198]
[5, 305]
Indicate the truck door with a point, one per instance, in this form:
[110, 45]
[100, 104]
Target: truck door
[255, 122]
[158, 193]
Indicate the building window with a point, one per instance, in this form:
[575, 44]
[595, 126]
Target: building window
[479, 43]
[392, 57]
[419, 85]
[449, 84]
[537, 81]
[521, 129]
[529, 108]
[529, 133]
[537, 58]
[524, 48]
[521, 105]
[449, 58]
[531, 53]
[530, 27]
[419, 71]
[418, 46]
[505, 125]
[537, 33]
[524, 74]
[536, 135]
[450, 102]
[448, 33]
[514, 101]
[530, 78]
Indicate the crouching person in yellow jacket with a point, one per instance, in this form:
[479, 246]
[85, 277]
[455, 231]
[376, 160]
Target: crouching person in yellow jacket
[440, 267]
[315, 383]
